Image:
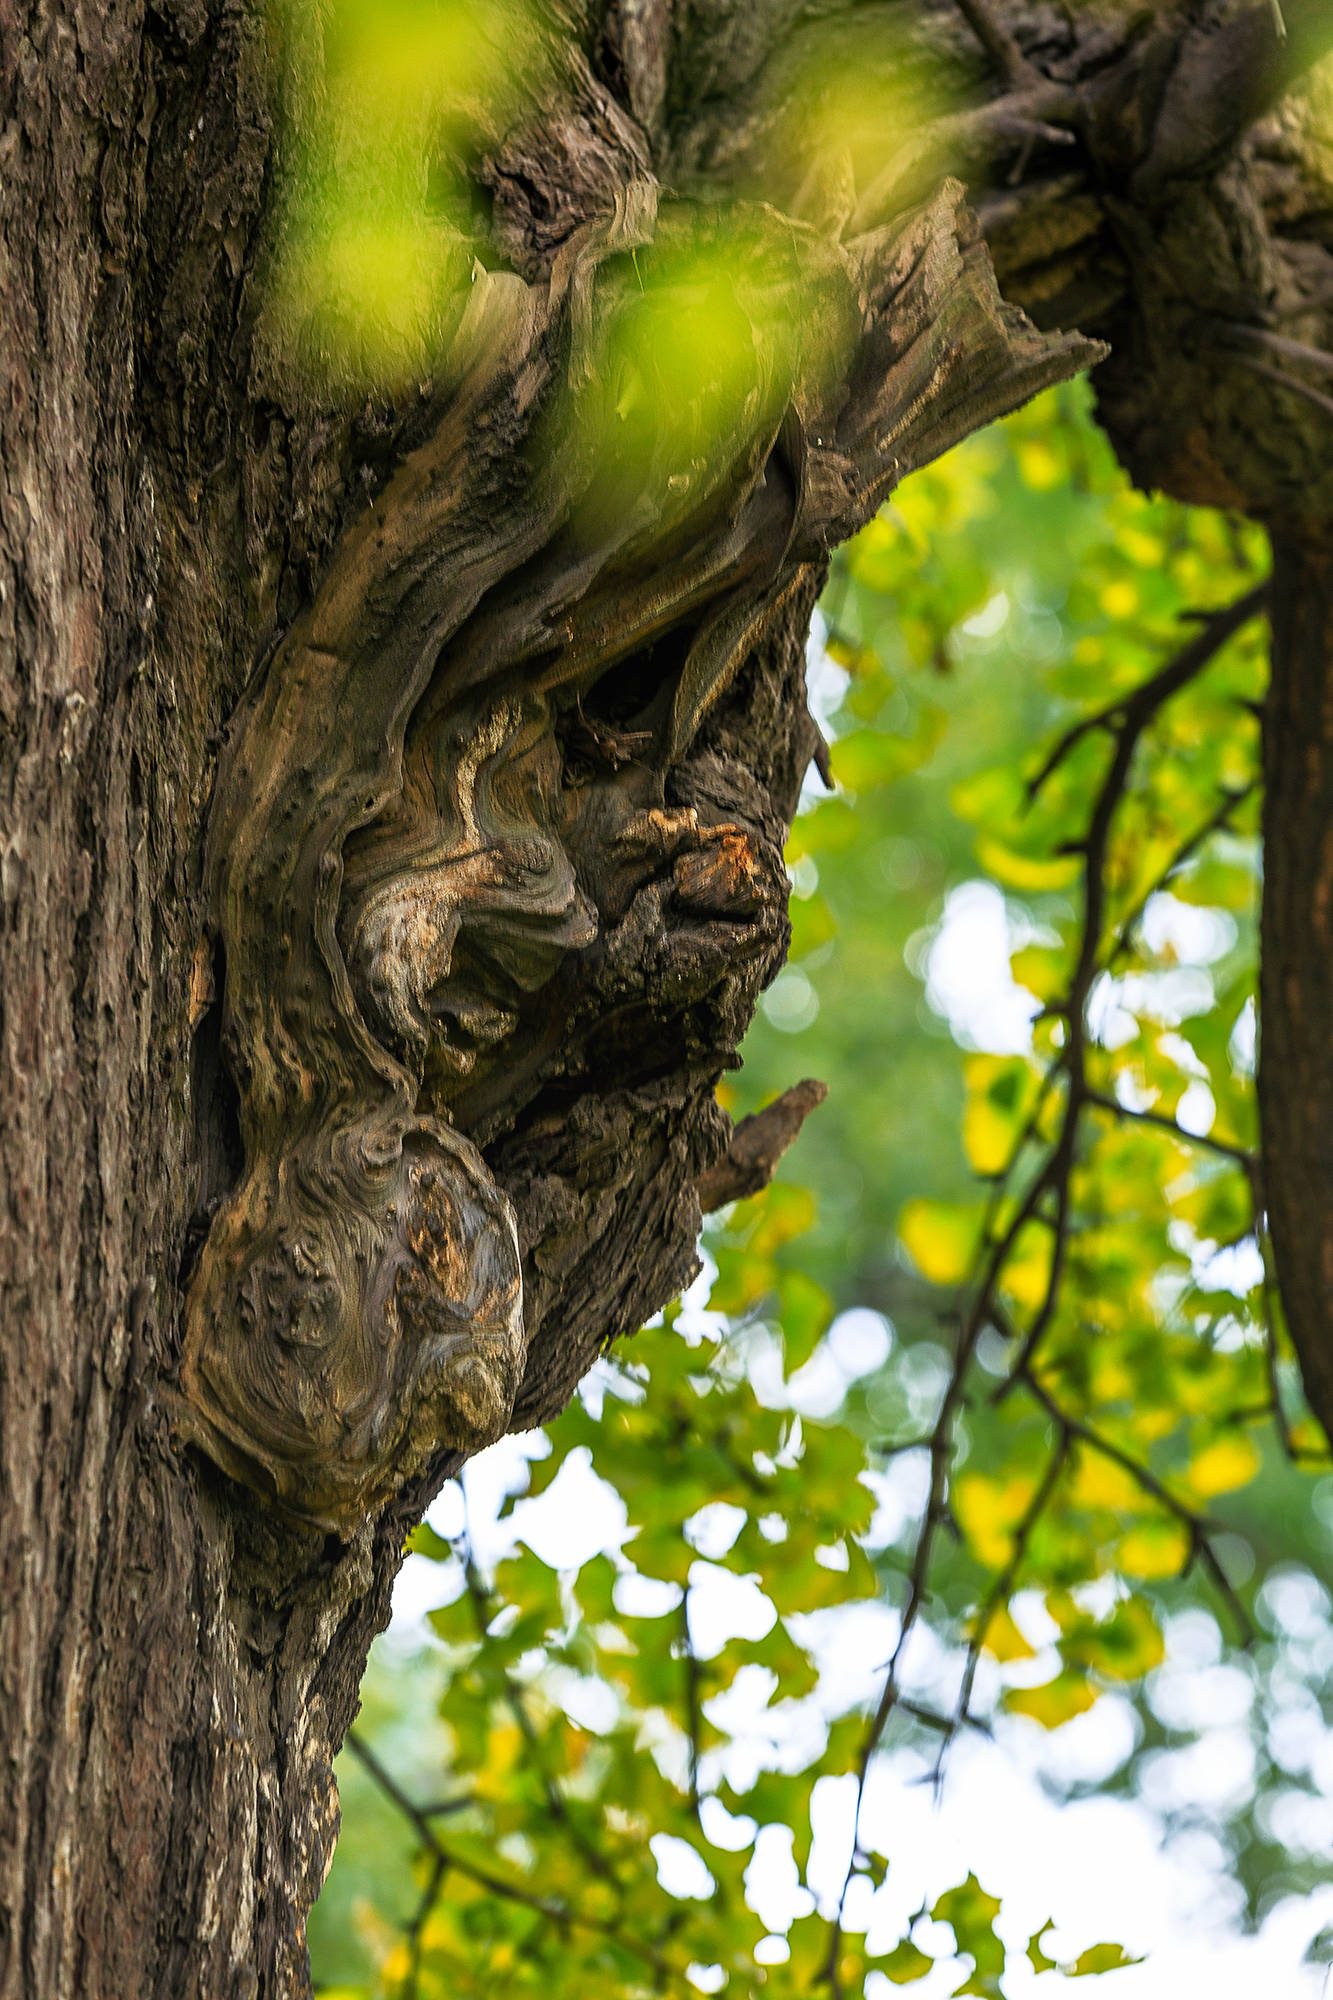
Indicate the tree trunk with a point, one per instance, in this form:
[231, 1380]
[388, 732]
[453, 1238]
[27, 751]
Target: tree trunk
[1296, 1056]
[166, 1810]
[181, 1655]
[393, 793]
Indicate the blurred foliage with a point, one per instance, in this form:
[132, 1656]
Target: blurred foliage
[997, 1362]
[389, 105]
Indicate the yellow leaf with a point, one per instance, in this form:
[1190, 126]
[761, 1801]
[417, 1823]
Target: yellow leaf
[1057, 1701]
[1040, 465]
[1153, 1549]
[1042, 969]
[1099, 1482]
[1309, 1440]
[1148, 551]
[941, 1239]
[1027, 1273]
[1099, 1958]
[905, 1964]
[1003, 1640]
[768, 1220]
[989, 1510]
[987, 1136]
[1124, 1647]
[1027, 871]
[1120, 599]
[1111, 1382]
[1224, 1465]
[999, 1096]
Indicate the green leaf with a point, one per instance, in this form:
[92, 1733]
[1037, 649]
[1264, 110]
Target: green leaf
[1099, 1958]
[1040, 1960]
[1055, 1701]
[972, 1913]
[905, 1963]
[806, 1310]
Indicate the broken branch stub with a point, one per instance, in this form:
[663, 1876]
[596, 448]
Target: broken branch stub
[495, 853]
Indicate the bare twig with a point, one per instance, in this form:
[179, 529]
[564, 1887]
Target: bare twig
[392, 1790]
[1198, 1527]
[483, 1611]
[562, 1915]
[1240, 1156]
[1002, 1589]
[416, 1928]
[1132, 711]
[1226, 809]
[693, 1701]
[1125, 720]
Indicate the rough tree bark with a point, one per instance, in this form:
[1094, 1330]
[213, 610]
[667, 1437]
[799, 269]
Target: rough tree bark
[392, 794]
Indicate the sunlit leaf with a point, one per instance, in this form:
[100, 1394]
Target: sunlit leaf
[1039, 1959]
[1224, 1465]
[905, 1963]
[942, 1239]
[1059, 1700]
[1099, 1958]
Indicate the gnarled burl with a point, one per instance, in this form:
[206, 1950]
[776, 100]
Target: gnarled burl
[472, 824]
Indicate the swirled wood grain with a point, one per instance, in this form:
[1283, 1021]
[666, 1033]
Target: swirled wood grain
[465, 837]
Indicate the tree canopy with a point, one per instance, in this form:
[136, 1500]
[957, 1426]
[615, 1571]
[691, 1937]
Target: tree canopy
[1001, 1350]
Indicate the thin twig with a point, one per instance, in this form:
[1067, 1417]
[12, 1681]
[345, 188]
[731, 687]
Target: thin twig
[416, 1927]
[1226, 809]
[1133, 710]
[693, 1702]
[560, 1914]
[389, 1785]
[1240, 1156]
[1126, 720]
[1199, 1528]
[1002, 1589]
[480, 1600]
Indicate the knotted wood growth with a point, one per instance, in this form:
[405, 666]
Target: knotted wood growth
[492, 866]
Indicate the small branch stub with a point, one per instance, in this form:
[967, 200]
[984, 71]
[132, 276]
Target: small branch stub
[757, 1146]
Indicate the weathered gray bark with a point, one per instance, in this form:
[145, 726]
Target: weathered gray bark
[196, 1022]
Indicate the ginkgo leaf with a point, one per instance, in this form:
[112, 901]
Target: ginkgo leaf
[1224, 1465]
[942, 1239]
[905, 1963]
[1099, 1958]
[1056, 1701]
[971, 1913]
[1124, 1646]
[1002, 1639]
[1039, 1959]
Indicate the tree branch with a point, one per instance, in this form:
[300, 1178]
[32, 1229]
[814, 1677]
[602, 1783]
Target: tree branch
[757, 1145]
